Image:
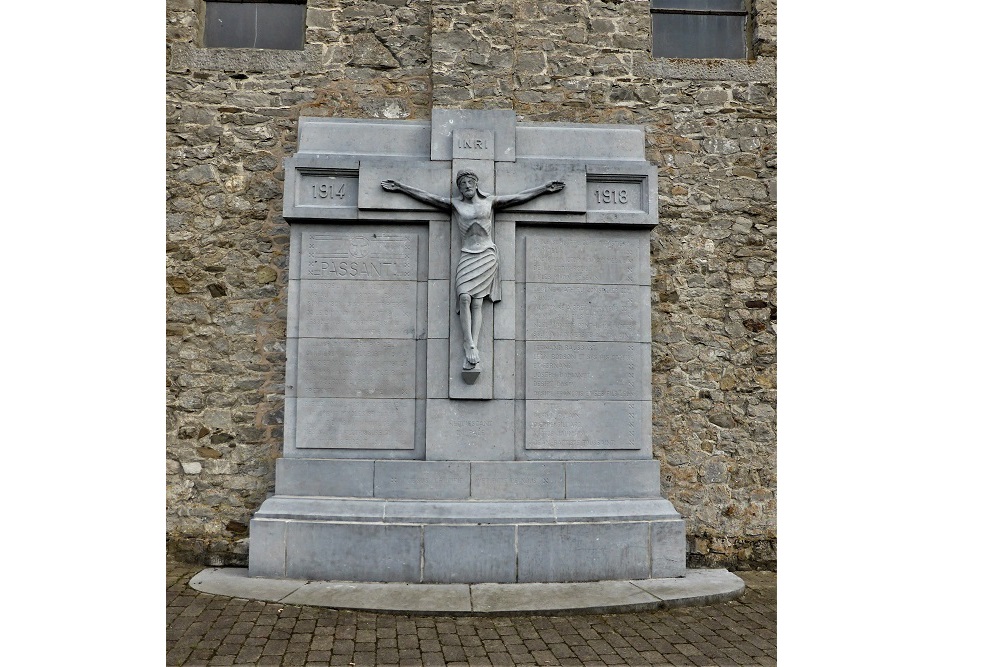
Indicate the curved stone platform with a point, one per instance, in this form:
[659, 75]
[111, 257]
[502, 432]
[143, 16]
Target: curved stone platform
[697, 587]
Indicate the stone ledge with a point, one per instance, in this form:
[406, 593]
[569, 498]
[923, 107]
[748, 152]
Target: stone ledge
[697, 587]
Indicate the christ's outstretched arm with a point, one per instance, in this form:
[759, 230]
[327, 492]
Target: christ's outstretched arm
[418, 194]
[506, 201]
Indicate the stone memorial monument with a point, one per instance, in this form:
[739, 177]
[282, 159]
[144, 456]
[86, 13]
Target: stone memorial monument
[468, 390]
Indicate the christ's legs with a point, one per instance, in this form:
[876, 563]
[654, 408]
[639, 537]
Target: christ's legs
[470, 313]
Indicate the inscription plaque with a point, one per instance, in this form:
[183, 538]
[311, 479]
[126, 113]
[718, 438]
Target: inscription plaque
[367, 309]
[606, 371]
[327, 189]
[586, 312]
[361, 256]
[354, 423]
[584, 424]
[587, 257]
[357, 368]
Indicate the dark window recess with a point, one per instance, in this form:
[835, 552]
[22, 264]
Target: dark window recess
[255, 25]
[699, 28]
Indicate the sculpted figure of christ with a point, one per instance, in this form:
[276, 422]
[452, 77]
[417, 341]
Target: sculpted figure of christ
[478, 274]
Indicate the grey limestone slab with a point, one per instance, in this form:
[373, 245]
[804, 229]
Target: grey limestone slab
[324, 477]
[439, 249]
[437, 367]
[433, 177]
[470, 430]
[353, 423]
[696, 586]
[587, 370]
[321, 193]
[357, 253]
[323, 508]
[469, 554]
[470, 512]
[440, 300]
[620, 509]
[353, 552]
[357, 309]
[588, 256]
[668, 548]
[473, 144]
[500, 122]
[237, 582]
[594, 597]
[504, 232]
[525, 174]
[352, 137]
[503, 369]
[386, 597]
[519, 480]
[612, 479]
[559, 311]
[580, 141]
[267, 555]
[582, 552]
[582, 424]
[434, 480]
[504, 312]
[355, 368]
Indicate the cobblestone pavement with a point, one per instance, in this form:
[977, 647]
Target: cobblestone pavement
[205, 629]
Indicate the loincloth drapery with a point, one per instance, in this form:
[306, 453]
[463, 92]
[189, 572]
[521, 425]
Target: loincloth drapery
[478, 274]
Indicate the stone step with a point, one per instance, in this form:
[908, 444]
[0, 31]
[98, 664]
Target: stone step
[462, 480]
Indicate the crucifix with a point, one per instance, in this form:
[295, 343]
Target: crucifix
[477, 276]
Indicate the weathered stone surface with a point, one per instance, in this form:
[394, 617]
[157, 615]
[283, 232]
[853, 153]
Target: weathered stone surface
[232, 113]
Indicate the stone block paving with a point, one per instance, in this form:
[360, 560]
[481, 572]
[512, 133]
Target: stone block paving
[205, 629]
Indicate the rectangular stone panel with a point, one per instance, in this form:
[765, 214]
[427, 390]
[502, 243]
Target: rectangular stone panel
[358, 255]
[427, 176]
[558, 311]
[524, 175]
[517, 480]
[324, 477]
[431, 480]
[444, 122]
[267, 558]
[582, 551]
[613, 479]
[585, 370]
[470, 430]
[668, 546]
[357, 309]
[354, 423]
[608, 257]
[356, 368]
[472, 144]
[326, 188]
[570, 425]
[580, 141]
[363, 137]
[613, 194]
[469, 554]
[353, 552]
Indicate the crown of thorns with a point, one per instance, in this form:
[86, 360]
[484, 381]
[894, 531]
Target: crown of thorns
[464, 173]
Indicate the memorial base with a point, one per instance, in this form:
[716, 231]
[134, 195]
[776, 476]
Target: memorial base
[351, 539]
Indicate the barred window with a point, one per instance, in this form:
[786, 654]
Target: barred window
[247, 24]
[699, 28]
